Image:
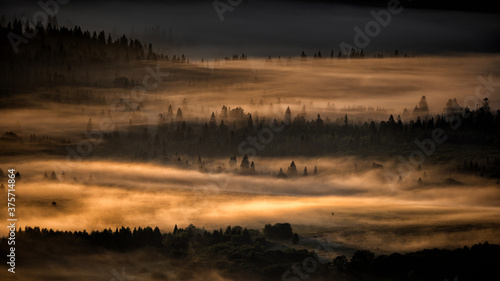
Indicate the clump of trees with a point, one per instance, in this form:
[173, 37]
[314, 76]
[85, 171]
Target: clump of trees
[278, 231]
[59, 55]
[474, 263]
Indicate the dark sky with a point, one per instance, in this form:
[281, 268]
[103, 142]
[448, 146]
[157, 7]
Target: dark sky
[263, 28]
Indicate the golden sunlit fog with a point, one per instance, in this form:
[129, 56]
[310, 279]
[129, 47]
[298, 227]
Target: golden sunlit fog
[98, 195]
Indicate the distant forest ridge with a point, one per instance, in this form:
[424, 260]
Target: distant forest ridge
[260, 255]
[52, 43]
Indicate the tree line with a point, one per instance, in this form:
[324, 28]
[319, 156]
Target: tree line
[70, 56]
[224, 133]
[237, 252]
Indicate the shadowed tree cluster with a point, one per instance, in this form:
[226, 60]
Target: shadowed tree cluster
[233, 130]
[69, 56]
